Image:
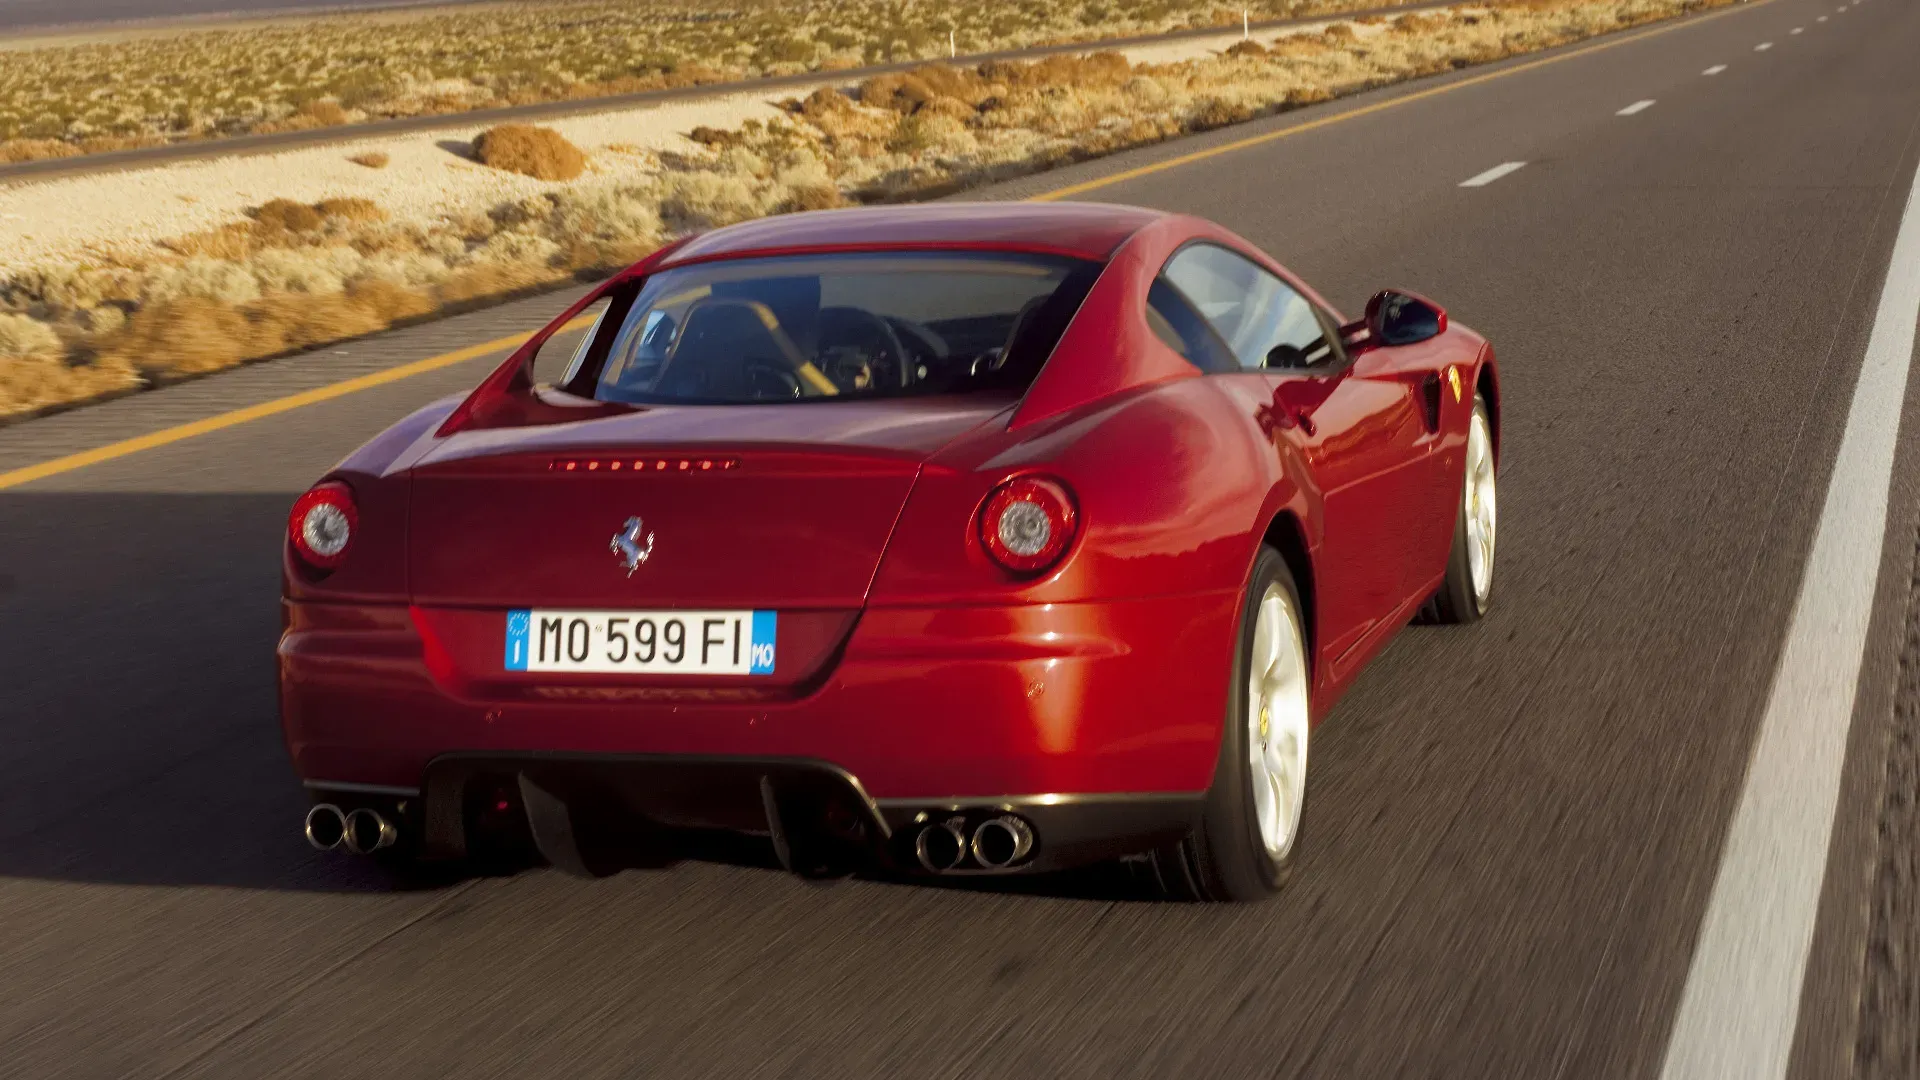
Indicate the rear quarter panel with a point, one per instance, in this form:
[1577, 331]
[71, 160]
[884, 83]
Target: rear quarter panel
[376, 472]
[1173, 484]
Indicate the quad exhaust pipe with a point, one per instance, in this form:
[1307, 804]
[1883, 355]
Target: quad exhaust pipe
[1000, 842]
[941, 847]
[995, 844]
[326, 827]
[369, 831]
[360, 831]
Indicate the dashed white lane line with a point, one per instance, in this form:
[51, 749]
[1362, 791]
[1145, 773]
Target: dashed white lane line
[1638, 106]
[1763, 46]
[1822, 18]
[1715, 69]
[1795, 30]
[1742, 998]
[1495, 173]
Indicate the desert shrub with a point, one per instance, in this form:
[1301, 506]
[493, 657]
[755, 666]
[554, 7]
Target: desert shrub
[910, 136]
[21, 336]
[285, 215]
[518, 248]
[541, 153]
[230, 242]
[216, 280]
[282, 322]
[1212, 113]
[373, 159]
[1247, 48]
[349, 209]
[484, 280]
[386, 300]
[706, 200]
[812, 197]
[305, 269]
[949, 107]
[717, 138]
[1339, 32]
[1093, 71]
[36, 382]
[1416, 24]
[105, 319]
[189, 335]
[324, 113]
[15, 151]
[823, 102]
[70, 287]
[609, 213]
[898, 92]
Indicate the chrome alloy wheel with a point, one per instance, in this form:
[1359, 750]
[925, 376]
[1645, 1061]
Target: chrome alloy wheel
[1277, 720]
[1481, 508]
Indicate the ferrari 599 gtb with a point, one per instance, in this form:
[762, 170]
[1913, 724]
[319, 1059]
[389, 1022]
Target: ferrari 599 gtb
[948, 539]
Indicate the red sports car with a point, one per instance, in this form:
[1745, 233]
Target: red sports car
[944, 539]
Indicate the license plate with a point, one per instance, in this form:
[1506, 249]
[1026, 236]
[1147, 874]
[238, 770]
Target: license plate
[641, 642]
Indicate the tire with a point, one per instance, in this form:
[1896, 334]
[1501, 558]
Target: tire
[1229, 856]
[1466, 594]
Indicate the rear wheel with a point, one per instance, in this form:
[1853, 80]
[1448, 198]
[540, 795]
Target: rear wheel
[1243, 847]
[1468, 589]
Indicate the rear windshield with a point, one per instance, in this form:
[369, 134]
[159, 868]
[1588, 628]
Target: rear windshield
[843, 326]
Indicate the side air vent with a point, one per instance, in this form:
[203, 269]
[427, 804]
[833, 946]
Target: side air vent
[1430, 401]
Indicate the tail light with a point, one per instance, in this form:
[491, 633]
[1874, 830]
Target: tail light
[322, 524]
[1027, 523]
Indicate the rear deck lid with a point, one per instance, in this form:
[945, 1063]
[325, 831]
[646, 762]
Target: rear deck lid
[694, 508]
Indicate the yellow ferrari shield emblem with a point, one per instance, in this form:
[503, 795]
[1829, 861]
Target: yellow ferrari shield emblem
[1453, 380]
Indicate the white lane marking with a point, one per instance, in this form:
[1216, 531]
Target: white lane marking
[1822, 18]
[1742, 999]
[1763, 46]
[1715, 69]
[1638, 106]
[1493, 174]
[1795, 30]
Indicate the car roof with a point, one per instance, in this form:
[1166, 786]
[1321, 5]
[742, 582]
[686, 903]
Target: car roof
[1087, 230]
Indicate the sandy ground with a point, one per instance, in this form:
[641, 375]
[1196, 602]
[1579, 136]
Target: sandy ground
[79, 219]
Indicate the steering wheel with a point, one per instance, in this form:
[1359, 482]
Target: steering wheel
[873, 335]
[929, 342]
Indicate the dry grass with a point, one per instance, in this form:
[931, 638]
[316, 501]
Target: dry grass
[326, 71]
[294, 275]
[541, 153]
[372, 160]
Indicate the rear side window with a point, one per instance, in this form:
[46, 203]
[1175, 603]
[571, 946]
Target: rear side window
[1176, 322]
[842, 326]
[1263, 321]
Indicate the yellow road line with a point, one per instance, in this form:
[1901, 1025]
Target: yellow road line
[265, 409]
[433, 363]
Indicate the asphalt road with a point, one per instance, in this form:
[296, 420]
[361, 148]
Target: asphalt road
[1514, 830]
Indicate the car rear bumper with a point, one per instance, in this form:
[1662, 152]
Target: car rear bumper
[1102, 718]
[815, 813]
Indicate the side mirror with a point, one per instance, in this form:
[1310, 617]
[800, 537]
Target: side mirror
[1403, 318]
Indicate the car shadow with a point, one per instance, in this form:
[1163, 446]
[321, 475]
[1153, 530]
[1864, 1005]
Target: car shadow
[139, 734]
